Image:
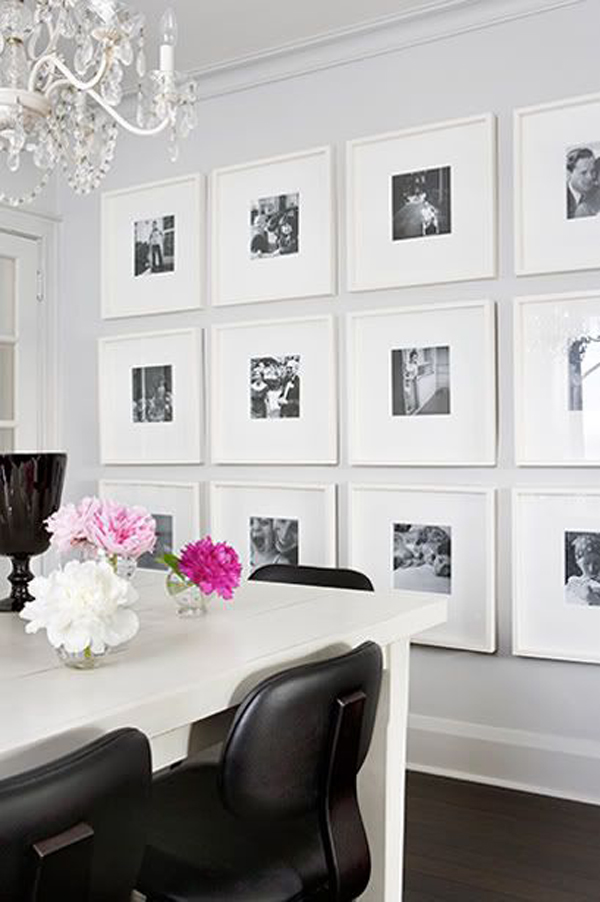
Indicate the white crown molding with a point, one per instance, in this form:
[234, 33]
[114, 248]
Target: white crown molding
[437, 21]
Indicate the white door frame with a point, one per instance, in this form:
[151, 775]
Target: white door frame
[45, 230]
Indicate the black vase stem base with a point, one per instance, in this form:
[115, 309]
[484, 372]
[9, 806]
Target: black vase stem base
[19, 579]
[6, 606]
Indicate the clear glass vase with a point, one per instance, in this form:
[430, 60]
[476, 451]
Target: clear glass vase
[125, 567]
[82, 660]
[189, 598]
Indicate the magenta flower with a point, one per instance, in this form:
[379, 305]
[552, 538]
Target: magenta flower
[68, 526]
[212, 567]
[119, 530]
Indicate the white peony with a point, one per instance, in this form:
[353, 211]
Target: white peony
[82, 606]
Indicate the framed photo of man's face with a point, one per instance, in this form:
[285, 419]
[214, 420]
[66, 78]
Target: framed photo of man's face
[150, 398]
[422, 205]
[557, 186]
[152, 248]
[431, 541]
[273, 392]
[175, 507]
[273, 229]
[557, 379]
[421, 385]
[556, 572]
[275, 524]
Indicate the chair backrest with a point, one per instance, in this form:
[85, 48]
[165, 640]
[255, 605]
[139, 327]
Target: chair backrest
[295, 747]
[313, 576]
[74, 830]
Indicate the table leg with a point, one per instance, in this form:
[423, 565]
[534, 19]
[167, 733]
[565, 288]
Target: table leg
[382, 780]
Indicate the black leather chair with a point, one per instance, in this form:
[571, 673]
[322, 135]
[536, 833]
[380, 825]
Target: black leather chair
[277, 818]
[74, 830]
[313, 576]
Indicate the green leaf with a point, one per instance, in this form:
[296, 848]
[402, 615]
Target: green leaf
[172, 561]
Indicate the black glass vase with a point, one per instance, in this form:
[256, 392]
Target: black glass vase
[30, 491]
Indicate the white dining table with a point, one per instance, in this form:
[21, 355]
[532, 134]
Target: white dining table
[178, 676]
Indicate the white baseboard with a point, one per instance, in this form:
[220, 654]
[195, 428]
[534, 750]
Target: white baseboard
[516, 759]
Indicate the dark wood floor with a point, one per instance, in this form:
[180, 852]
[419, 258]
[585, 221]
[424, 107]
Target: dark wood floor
[471, 843]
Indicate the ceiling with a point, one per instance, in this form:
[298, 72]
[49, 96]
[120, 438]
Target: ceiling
[213, 32]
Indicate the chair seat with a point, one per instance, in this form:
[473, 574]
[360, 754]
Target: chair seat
[198, 852]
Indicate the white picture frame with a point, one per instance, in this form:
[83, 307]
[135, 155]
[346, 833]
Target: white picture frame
[248, 427]
[434, 185]
[141, 277]
[175, 507]
[552, 614]
[455, 526]
[302, 512]
[412, 396]
[155, 377]
[253, 205]
[550, 235]
[557, 394]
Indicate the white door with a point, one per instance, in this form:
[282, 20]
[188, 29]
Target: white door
[20, 352]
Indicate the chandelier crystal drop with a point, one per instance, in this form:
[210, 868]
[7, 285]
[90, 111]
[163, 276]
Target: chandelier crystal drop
[62, 69]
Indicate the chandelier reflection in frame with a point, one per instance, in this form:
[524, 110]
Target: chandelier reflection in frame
[62, 64]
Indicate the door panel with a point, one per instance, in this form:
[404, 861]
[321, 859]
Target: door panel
[20, 359]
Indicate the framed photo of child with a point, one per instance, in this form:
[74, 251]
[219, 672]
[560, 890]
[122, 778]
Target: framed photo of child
[421, 205]
[273, 392]
[150, 388]
[152, 258]
[271, 523]
[272, 224]
[421, 385]
[433, 540]
[556, 567]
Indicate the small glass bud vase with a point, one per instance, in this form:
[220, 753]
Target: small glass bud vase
[189, 598]
[81, 660]
[125, 567]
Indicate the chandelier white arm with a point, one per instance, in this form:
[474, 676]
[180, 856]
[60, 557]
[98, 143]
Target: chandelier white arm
[70, 80]
[60, 104]
[53, 62]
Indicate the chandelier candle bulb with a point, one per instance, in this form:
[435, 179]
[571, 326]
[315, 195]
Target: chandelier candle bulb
[168, 36]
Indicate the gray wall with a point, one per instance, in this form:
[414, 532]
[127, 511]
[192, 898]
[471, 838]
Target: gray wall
[517, 709]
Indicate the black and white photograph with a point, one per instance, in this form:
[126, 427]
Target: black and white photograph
[275, 226]
[421, 381]
[152, 388]
[421, 204]
[275, 387]
[584, 373]
[164, 544]
[583, 180]
[421, 558]
[273, 540]
[154, 246]
[582, 568]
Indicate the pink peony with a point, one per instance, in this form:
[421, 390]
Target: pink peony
[68, 526]
[125, 531]
[214, 568]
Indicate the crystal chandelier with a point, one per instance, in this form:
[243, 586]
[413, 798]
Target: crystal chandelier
[62, 64]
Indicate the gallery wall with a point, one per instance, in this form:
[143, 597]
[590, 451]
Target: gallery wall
[496, 717]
